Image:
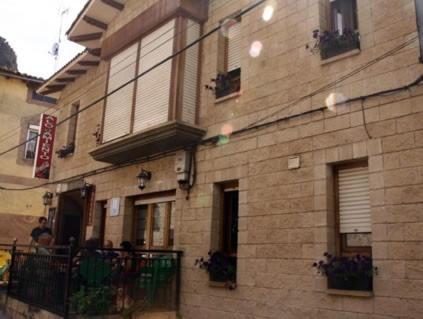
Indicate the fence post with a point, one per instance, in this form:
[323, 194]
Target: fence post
[11, 266]
[178, 280]
[68, 278]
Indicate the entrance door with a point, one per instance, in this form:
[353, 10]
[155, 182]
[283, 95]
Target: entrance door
[70, 218]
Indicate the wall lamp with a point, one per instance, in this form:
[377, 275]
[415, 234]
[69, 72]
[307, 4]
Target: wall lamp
[47, 197]
[143, 177]
[86, 190]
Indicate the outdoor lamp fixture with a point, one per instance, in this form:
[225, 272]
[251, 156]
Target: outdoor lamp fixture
[143, 177]
[86, 190]
[47, 198]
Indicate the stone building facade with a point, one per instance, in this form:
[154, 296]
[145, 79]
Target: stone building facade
[279, 141]
[20, 110]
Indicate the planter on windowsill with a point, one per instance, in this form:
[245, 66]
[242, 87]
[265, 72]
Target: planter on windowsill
[66, 150]
[347, 273]
[362, 283]
[221, 269]
[333, 43]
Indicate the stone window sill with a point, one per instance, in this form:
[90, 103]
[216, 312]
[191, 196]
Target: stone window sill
[228, 97]
[350, 293]
[340, 57]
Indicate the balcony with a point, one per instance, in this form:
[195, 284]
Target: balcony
[161, 138]
[333, 43]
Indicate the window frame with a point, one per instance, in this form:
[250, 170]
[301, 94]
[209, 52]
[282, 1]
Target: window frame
[340, 239]
[31, 128]
[73, 125]
[150, 202]
[176, 73]
[331, 21]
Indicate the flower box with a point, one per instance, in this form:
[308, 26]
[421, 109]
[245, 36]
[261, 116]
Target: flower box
[362, 283]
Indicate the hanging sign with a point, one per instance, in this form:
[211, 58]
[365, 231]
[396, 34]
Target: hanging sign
[45, 142]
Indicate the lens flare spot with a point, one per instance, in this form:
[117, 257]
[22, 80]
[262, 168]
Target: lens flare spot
[268, 13]
[333, 100]
[255, 49]
[226, 25]
[227, 129]
[223, 139]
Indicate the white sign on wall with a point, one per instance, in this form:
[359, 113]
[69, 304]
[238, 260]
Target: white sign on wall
[114, 206]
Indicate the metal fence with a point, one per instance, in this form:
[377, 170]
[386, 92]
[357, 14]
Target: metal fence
[79, 281]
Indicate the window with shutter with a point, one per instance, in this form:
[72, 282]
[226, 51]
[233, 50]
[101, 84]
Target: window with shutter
[228, 79]
[353, 207]
[153, 89]
[190, 87]
[117, 116]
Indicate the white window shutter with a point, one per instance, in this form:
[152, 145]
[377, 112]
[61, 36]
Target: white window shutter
[190, 85]
[354, 200]
[117, 117]
[153, 89]
[234, 47]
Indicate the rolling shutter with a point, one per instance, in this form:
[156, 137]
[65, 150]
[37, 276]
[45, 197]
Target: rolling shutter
[153, 89]
[189, 99]
[117, 117]
[354, 200]
[234, 47]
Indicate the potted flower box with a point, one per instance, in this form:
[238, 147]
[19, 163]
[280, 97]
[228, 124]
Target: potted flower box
[347, 273]
[221, 268]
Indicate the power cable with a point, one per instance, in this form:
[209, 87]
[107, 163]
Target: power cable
[213, 139]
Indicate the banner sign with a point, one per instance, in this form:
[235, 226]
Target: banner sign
[44, 153]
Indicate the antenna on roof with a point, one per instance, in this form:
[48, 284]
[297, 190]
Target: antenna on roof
[56, 45]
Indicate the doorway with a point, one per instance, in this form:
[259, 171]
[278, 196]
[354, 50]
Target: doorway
[70, 218]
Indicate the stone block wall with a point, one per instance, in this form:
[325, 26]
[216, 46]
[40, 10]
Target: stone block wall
[286, 216]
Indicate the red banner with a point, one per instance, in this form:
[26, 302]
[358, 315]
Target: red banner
[44, 154]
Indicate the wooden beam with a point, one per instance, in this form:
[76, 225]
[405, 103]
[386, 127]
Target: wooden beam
[56, 86]
[86, 37]
[49, 91]
[95, 52]
[114, 4]
[76, 72]
[65, 79]
[95, 22]
[89, 63]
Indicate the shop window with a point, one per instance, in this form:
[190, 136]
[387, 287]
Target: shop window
[31, 145]
[154, 223]
[353, 211]
[228, 79]
[341, 34]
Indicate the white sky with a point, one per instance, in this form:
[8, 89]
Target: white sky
[32, 26]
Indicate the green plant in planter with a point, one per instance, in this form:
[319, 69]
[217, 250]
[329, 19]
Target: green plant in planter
[347, 273]
[221, 268]
[93, 301]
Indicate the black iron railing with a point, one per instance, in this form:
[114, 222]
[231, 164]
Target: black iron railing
[333, 43]
[70, 281]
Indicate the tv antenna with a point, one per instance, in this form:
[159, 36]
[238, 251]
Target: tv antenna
[55, 49]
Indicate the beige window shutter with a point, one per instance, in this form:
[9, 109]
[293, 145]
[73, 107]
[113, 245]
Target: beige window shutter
[153, 89]
[354, 200]
[234, 47]
[190, 85]
[117, 117]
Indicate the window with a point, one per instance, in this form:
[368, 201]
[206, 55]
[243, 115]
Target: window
[73, 122]
[353, 213]
[419, 13]
[154, 223]
[341, 34]
[343, 15]
[159, 95]
[228, 80]
[31, 145]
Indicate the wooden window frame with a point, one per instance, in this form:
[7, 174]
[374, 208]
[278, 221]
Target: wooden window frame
[150, 220]
[176, 76]
[340, 242]
[73, 124]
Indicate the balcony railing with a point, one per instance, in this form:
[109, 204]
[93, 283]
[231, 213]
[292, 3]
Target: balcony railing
[68, 281]
[333, 43]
